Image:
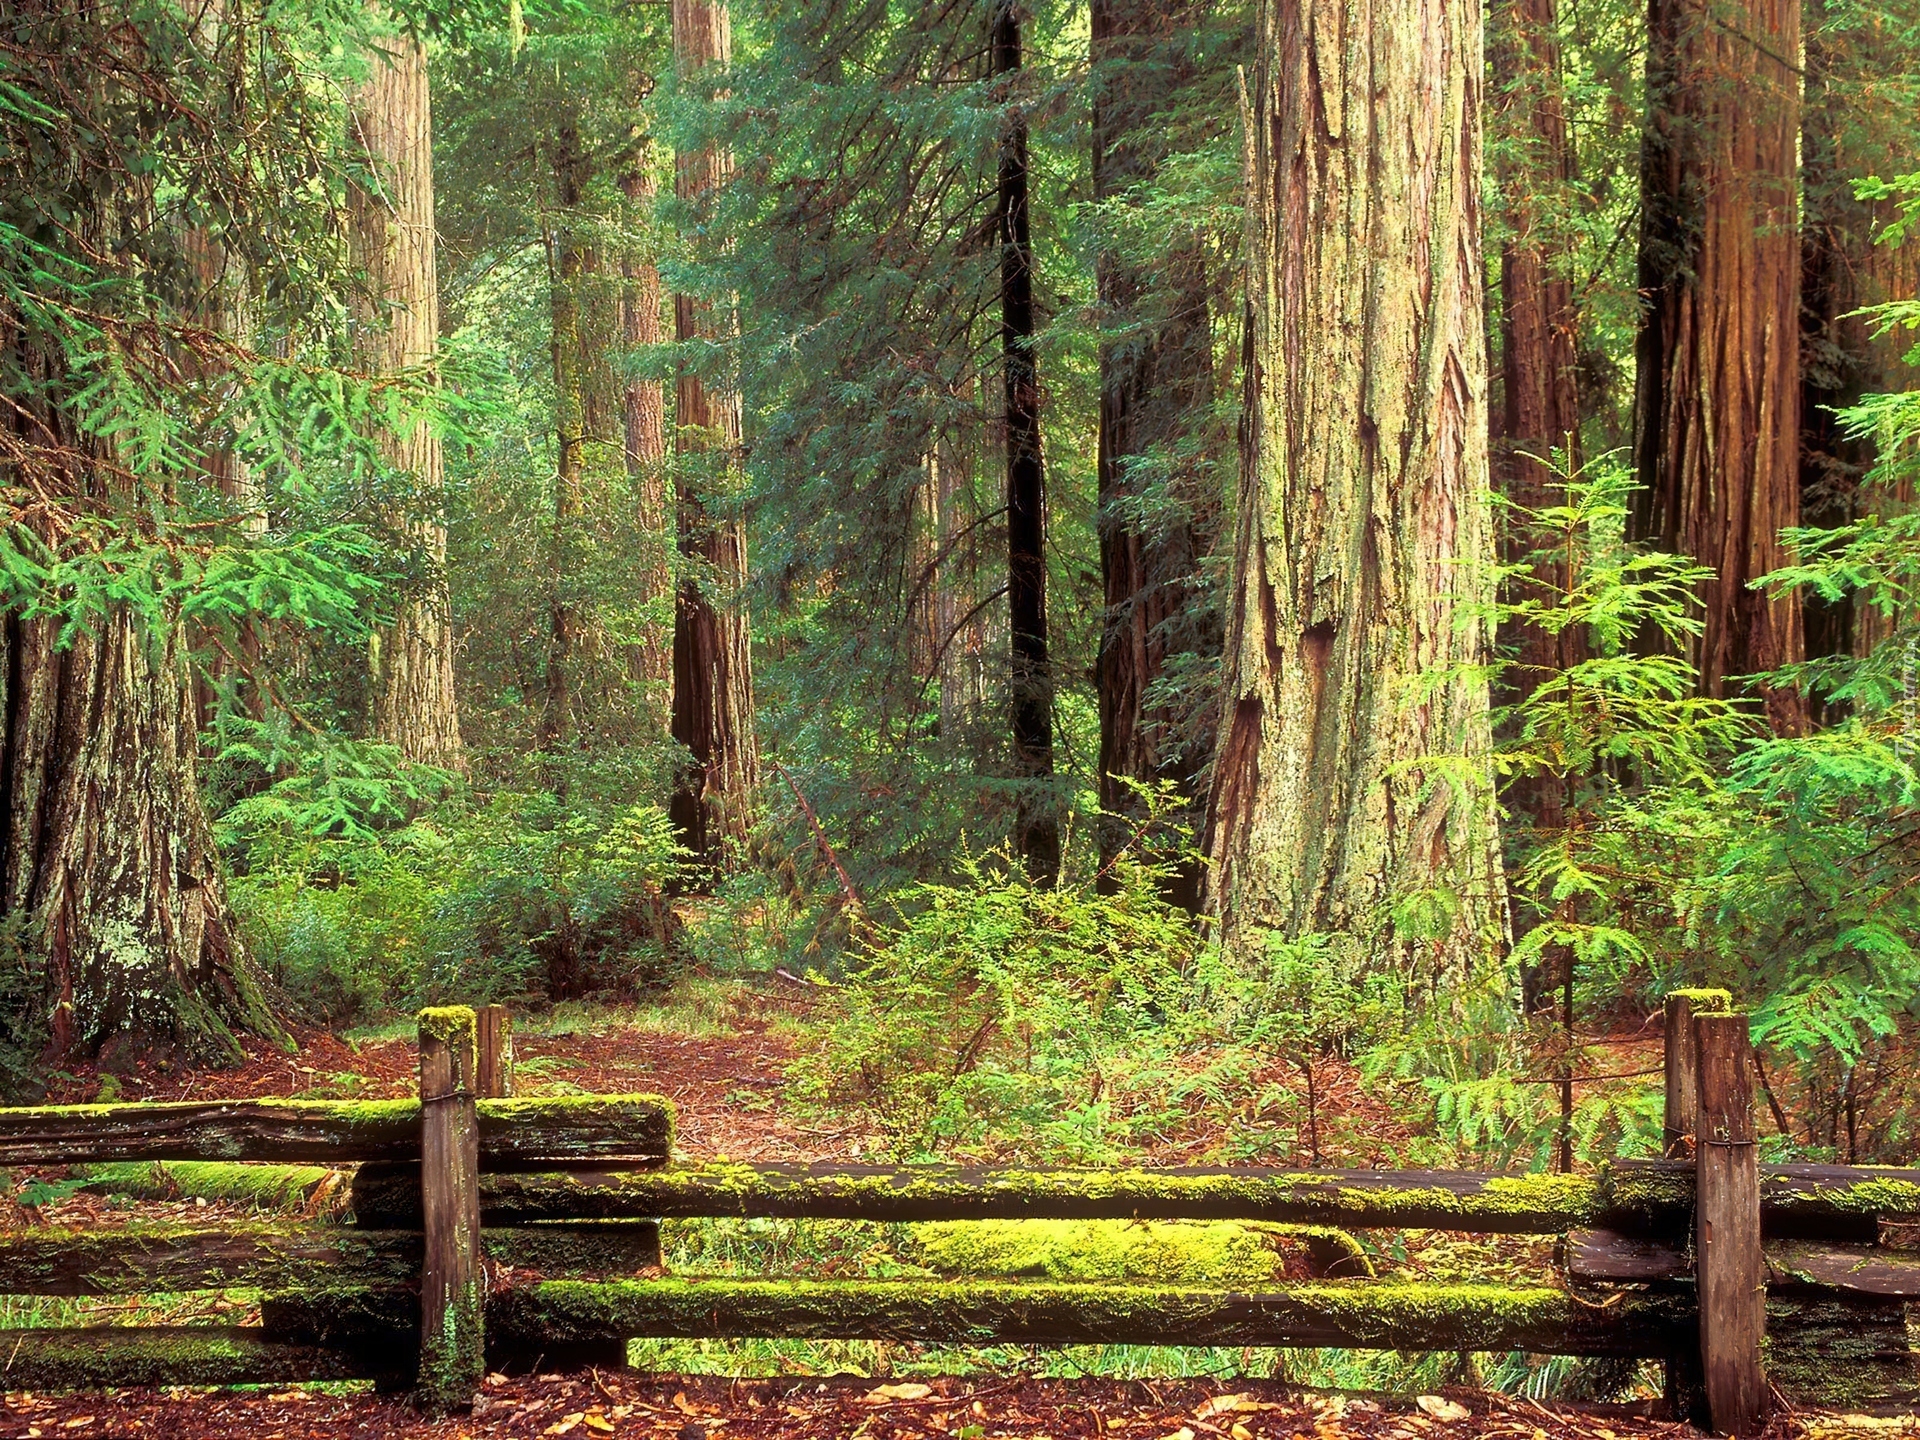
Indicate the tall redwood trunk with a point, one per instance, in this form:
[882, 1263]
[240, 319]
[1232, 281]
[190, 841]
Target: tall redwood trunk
[646, 433]
[1037, 831]
[712, 658]
[567, 269]
[1156, 384]
[1362, 512]
[1539, 338]
[412, 702]
[1862, 89]
[119, 937]
[1717, 404]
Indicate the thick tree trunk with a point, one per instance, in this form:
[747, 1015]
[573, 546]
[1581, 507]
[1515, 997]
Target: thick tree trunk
[1155, 386]
[1538, 326]
[712, 657]
[1036, 829]
[412, 701]
[110, 870]
[646, 436]
[1716, 413]
[1363, 509]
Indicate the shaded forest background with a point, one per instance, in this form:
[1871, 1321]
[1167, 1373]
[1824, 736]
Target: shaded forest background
[528, 503]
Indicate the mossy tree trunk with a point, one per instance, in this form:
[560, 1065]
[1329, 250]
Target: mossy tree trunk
[1362, 511]
[1717, 403]
[712, 657]
[412, 702]
[1156, 384]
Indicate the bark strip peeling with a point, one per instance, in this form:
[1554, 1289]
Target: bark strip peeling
[1362, 512]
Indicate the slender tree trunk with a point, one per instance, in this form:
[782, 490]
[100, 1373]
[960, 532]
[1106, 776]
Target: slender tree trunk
[646, 434]
[1036, 831]
[412, 702]
[1362, 511]
[1539, 335]
[1862, 87]
[1155, 386]
[1717, 404]
[712, 658]
[567, 266]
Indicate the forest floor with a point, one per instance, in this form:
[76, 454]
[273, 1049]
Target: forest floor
[722, 1057]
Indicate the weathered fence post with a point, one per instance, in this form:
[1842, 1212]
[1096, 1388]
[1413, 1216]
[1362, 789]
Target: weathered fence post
[1730, 1269]
[452, 1284]
[495, 1073]
[1683, 1069]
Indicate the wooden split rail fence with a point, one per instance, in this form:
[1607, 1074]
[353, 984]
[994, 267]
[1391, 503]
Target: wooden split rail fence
[470, 1208]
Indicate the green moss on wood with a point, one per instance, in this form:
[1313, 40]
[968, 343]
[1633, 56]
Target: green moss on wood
[110, 1357]
[1357, 1314]
[1705, 1001]
[1168, 1252]
[265, 1187]
[1840, 1352]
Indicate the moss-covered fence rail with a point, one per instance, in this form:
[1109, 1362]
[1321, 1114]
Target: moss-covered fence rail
[537, 1228]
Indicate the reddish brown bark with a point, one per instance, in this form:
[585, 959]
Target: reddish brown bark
[1155, 386]
[712, 660]
[646, 430]
[398, 328]
[1716, 416]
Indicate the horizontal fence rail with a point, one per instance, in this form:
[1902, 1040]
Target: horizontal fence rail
[1653, 1197]
[514, 1134]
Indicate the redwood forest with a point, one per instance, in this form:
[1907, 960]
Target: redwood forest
[1043, 718]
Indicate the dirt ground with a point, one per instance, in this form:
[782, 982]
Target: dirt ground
[687, 1408]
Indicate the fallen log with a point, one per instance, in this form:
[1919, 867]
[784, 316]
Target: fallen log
[156, 1259]
[1490, 1204]
[514, 1134]
[113, 1356]
[1349, 1314]
[1840, 1351]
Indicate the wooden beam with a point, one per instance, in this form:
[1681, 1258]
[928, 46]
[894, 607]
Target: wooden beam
[1682, 1067]
[1730, 1271]
[1639, 1197]
[514, 1134]
[144, 1259]
[111, 1356]
[1348, 1314]
[1604, 1257]
[495, 1032]
[1489, 1204]
[452, 1282]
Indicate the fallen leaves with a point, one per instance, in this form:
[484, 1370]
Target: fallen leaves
[1441, 1408]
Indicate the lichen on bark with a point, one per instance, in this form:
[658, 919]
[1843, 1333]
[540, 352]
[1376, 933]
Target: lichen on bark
[1352, 784]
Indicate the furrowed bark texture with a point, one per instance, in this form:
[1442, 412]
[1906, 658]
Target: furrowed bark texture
[568, 264]
[1862, 85]
[109, 864]
[1156, 383]
[1036, 831]
[111, 891]
[1539, 333]
[1716, 414]
[712, 657]
[1362, 498]
[646, 435]
[390, 124]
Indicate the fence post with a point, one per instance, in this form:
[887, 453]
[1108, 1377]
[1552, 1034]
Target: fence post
[1730, 1269]
[1683, 1070]
[452, 1284]
[495, 1073]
